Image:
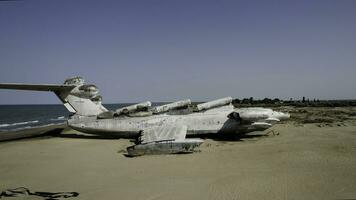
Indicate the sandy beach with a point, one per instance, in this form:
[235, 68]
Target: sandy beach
[293, 161]
[254, 100]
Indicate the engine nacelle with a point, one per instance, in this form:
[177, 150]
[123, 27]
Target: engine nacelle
[171, 106]
[136, 107]
[253, 116]
[213, 104]
[247, 116]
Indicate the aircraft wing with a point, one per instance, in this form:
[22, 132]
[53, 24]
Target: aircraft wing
[159, 133]
[36, 87]
[163, 140]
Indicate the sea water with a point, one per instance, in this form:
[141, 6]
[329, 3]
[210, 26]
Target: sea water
[16, 117]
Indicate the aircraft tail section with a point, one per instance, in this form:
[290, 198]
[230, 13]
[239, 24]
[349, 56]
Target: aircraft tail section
[75, 95]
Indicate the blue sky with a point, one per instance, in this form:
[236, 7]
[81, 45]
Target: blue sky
[170, 50]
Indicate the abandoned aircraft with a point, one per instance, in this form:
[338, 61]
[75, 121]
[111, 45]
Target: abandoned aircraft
[161, 129]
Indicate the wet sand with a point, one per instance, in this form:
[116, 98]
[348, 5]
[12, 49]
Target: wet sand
[298, 161]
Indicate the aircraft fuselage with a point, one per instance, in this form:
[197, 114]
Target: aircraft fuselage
[211, 121]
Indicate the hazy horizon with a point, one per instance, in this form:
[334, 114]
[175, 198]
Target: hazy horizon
[163, 51]
[163, 102]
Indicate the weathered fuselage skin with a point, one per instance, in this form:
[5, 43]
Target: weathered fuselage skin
[213, 121]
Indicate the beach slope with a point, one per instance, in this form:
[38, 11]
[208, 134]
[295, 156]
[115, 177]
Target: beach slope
[295, 161]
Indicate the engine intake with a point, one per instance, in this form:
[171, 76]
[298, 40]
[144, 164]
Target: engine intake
[234, 115]
[213, 104]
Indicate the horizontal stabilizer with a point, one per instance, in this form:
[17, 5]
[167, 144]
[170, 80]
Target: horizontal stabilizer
[75, 95]
[36, 87]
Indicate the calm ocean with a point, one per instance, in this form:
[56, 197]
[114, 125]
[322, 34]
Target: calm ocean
[14, 117]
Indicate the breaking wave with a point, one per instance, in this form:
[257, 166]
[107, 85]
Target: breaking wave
[19, 123]
[4, 125]
[58, 118]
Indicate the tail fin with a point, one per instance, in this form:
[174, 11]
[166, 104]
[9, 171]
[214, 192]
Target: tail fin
[75, 95]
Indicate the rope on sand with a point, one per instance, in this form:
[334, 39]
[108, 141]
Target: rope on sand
[22, 192]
